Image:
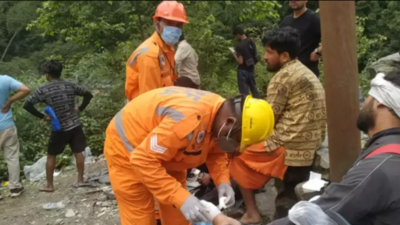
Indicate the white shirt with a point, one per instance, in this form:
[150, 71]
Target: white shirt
[186, 61]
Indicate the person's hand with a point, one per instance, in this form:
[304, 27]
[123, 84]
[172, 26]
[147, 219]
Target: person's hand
[221, 219]
[205, 180]
[225, 190]
[314, 57]
[47, 118]
[6, 107]
[194, 211]
[211, 209]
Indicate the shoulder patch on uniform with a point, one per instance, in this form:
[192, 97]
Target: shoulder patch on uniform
[185, 127]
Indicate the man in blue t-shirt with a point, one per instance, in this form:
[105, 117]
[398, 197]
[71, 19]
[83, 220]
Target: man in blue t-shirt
[8, 132]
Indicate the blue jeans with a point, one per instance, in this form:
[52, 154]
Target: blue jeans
[246, 81]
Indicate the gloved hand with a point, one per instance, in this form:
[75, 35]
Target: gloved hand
[193, 210]
[211, 209]
[225, 190]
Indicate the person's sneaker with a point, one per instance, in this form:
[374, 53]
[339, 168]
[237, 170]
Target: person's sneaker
[17, 191]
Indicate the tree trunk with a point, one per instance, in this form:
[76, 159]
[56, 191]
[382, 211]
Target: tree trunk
[8, 45]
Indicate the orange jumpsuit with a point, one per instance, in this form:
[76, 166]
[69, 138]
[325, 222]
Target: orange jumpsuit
[149, 67]
[151, 143]
[255, 166]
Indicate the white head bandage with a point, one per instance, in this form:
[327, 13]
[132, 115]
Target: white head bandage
[386, 93]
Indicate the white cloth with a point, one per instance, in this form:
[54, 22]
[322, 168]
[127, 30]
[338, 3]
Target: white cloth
[212, 210]
[186, 61]
[385, 92]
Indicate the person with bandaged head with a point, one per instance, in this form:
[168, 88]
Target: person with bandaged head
[369, 192]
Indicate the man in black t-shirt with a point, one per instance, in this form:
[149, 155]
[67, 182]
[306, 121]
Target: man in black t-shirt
[246, 56]
[307, 23]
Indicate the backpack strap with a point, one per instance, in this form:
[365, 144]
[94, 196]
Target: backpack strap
[390, 148]
[378, 143]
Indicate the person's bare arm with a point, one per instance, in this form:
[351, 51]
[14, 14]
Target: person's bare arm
[22, 92]
[239, 59]
[238, 55]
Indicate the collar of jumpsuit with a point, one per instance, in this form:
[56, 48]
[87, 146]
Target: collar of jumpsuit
[164, 47]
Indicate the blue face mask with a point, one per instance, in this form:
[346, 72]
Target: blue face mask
[171, 35]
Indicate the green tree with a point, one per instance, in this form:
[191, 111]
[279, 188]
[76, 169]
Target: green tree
[17, 18]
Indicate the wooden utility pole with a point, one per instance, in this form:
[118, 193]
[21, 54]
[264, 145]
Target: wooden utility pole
[339, 43]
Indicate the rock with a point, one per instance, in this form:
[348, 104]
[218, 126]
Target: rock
[105, 179]
[98, 203]
[106, 204]
[94, 174]
[305, 195]
[385, 65]
[102, 197]
[68, 168]
[109, 193]
[101, 156]
[59, 222]
[70, 213]
[114, 202]
[104, 172]
[266, 200]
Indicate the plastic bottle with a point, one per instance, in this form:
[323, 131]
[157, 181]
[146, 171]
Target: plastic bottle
[55, 123]
[54, 205]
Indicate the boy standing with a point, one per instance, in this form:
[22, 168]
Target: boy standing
[60, 95]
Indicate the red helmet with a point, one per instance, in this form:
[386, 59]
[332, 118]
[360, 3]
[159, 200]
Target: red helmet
[171, 10]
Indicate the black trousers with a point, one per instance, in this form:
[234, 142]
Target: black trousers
[247, 83]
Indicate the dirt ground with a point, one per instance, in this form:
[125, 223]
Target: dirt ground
[87, 206]
[28, 208]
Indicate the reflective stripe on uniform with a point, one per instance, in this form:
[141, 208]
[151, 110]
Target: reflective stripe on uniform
[172, 113]
[121, 132]
[140, 51]
[161, 111]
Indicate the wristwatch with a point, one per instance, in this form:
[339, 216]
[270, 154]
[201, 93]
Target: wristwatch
[317, 52]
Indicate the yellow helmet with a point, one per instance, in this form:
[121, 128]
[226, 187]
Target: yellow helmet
[258, 122]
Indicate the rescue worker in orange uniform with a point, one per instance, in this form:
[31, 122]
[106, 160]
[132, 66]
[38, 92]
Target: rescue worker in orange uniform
[160, 134]
[152, 64]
